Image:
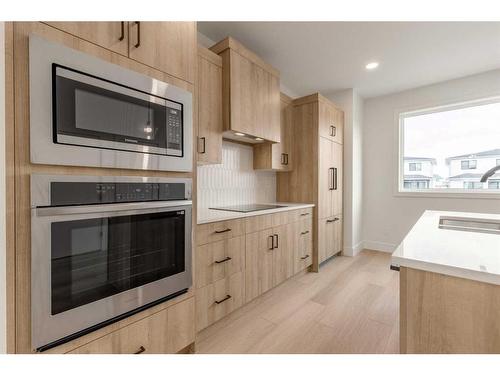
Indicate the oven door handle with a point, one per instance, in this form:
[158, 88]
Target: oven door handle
[111, 207]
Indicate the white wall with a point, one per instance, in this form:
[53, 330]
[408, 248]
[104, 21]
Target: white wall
[387, 218]
[234, 181]
[352, 104]
[3, 279]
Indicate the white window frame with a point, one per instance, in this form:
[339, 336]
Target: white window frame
[399, 190]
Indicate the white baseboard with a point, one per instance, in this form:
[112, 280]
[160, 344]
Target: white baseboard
[379, 246]
[353, 251]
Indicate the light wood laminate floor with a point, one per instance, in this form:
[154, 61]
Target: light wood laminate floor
[350, 306]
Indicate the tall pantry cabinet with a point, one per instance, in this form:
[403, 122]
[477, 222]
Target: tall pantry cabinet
[317, 175]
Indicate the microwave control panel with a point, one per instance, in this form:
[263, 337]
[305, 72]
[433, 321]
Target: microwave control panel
[174, 130]
[81, 193]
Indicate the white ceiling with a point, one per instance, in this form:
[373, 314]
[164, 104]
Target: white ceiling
[331, 56]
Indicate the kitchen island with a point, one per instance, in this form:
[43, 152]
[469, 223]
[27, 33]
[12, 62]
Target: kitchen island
[450, 284]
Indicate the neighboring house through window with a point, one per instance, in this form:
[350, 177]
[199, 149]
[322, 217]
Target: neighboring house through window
[450, 148]
[415, 167]
[469, 164]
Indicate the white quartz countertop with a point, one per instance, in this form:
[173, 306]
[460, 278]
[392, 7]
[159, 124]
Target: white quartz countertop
[206, 215]
[466, 254]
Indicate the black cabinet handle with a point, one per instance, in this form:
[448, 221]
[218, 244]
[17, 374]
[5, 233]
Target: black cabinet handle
[224, 299]
[138, 44]
[305, 257]
[332, 220]
[122, 31]
[286, 159]
[223, 260]
[223, 230]
[304, 214]
[277, 241]
[333, 131]
[272, 242]
[334, 178]
[305, 232]
[283, 162]
[203, 142]
[142, 349]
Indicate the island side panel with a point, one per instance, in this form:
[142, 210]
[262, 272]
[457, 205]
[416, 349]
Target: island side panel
[445, 314]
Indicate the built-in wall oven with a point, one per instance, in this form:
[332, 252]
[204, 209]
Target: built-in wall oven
[88, 112]
[103, 249]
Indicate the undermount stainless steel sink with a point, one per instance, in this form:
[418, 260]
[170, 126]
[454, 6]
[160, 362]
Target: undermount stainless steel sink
[470, 224]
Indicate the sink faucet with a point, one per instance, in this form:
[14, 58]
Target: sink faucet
[489, 173]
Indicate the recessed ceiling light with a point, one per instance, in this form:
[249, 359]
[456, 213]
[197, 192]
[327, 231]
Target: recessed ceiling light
[372, 65]
[258, 139]
[239, 134]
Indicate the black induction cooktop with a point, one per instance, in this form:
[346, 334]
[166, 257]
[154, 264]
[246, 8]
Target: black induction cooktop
[247, 207]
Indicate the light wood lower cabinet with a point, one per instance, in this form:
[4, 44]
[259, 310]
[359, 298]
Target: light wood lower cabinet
[259, 263]
[167, 331]
[329, 237]
[270, 249]
[218, 260]
[218, 299]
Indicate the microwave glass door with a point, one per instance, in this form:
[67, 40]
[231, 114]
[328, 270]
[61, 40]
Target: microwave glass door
[94, 112]
[95, 258]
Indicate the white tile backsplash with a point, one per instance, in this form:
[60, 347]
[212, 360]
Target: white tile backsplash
[234, 181]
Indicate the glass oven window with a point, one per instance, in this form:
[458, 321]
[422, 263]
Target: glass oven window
[96, 258]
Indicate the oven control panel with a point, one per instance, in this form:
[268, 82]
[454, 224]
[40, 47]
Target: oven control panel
[81, 193]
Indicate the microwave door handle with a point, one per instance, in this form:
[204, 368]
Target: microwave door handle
[112, 207]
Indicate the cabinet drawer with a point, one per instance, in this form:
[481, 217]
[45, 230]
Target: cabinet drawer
[216, 300]
[280, 218]
[218, 260]
[303, 213]
[303, 250]
[212, 232]
[258, 223]
[166, 331]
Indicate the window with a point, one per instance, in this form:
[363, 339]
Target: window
[415, 167]
[416, 184]
[448, 149]
[473, 185]
[469, 164]
[494, 184]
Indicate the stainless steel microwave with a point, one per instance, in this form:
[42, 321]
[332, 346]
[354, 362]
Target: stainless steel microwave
[88, 112]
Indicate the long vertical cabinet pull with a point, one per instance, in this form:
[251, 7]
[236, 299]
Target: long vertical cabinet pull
[334, 178]
[138, 44]
[272, 242]
[203, 143]
[122, 31]
[277, 243]
[331, 178]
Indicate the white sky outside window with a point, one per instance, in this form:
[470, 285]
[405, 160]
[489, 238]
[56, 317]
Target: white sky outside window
[452, 132]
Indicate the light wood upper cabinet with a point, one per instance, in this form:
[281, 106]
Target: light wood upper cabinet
[278, 156]
[166, 46]
[251, 92]
[331, 122]
[110, 35]
[209, 97]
